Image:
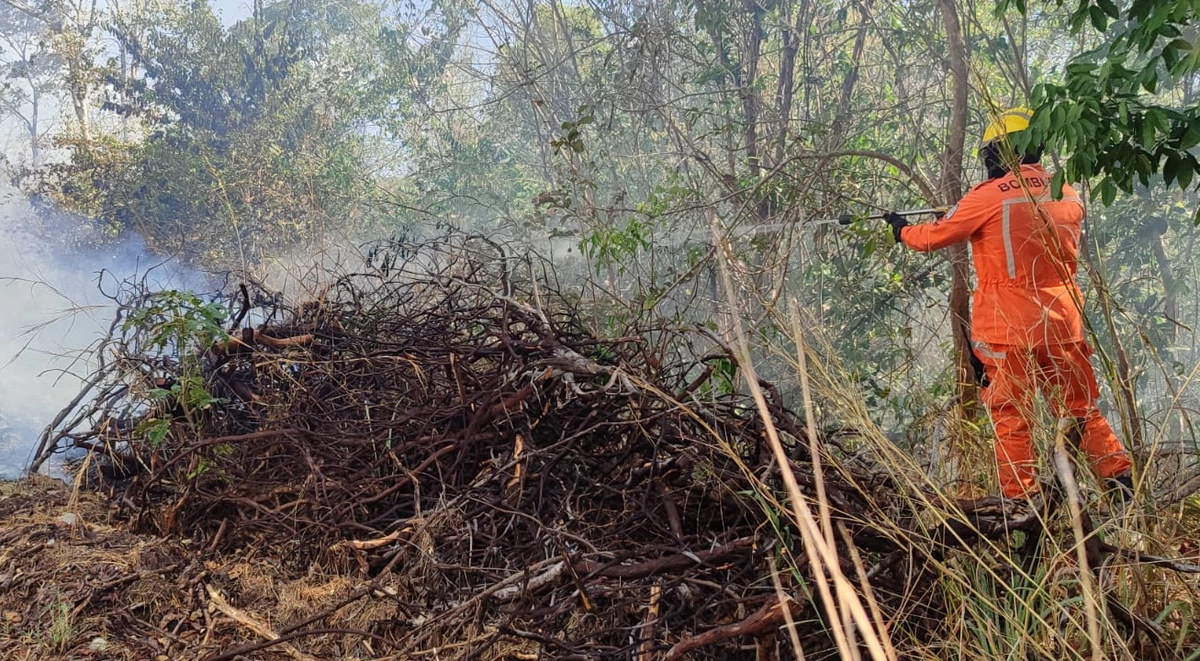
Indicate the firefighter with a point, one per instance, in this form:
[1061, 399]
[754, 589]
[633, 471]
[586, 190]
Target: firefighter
[1027, 326]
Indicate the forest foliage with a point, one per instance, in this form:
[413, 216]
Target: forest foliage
[606, 132]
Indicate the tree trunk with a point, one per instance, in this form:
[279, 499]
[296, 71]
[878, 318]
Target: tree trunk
[35, 150]
[79, 98]
[842, 119]
[786, 89]
[951, 190]
[1170, 295]
[752, 48]
[74, 34]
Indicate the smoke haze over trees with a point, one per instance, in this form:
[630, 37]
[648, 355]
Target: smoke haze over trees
[613, 128]
[610, 130]
[54, 308]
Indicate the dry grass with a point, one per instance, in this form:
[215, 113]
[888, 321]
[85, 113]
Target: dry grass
[93, 590]
[863, 547]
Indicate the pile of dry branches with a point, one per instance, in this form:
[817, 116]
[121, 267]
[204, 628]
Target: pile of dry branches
[445, 425]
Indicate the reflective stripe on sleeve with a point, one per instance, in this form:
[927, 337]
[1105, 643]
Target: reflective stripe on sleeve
[1010, 258]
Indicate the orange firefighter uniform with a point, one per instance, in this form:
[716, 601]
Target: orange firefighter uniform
[1026, 323]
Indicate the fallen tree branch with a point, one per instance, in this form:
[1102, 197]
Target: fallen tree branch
[217, 601]
[666, 564]
[1147, 559]
[765, 620]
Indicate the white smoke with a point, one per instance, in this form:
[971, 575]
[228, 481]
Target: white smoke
[51, 313]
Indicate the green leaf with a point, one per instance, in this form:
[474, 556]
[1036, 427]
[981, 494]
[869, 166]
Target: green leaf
[1191, 137]
[1170, 168]
[1147, 130]
[1144, 168]
[1108, 191]
[1150, 79]
[1079, 66]
[1143, 164]
[1170, 57]
[1056, 184]
[1189, 63]
[1185, 175]
[1179, 44]
[158, 432]
[1099, 18]
[1109, 8]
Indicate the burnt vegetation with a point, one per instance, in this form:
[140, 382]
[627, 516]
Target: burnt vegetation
[443, 426]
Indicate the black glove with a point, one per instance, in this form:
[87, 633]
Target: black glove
[897, 222]
[979, 370]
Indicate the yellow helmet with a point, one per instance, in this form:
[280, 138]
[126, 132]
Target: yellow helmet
[1009, 121]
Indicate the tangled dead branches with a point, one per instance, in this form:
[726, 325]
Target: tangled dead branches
[457, 433]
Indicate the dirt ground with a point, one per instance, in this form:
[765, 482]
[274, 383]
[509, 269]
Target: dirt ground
[75, 584]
